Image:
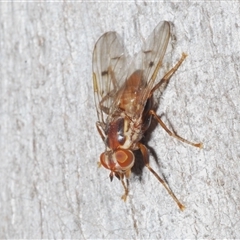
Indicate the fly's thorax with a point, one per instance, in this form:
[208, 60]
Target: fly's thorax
[123, 132]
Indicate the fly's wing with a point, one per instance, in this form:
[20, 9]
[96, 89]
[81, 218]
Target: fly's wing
[153, 52]
[144, 69]
[109, 72]
[151, 56]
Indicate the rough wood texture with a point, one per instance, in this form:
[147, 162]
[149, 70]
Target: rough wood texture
[50, 186]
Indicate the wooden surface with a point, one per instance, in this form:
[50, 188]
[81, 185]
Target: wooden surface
[50, 186]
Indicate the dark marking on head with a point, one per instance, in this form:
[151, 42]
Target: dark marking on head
[151, 64]
[104, 73]
[148, 51]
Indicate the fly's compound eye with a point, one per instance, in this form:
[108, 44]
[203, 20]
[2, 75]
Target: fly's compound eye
[125, 158]
[104, 159]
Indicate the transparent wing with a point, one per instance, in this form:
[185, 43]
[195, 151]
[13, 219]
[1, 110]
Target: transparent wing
[143, 70]
[154, 50]
[109, 71]
[151, 56]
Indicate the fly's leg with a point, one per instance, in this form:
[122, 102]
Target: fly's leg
[172, 134]
[104, 99]
[169, 74]
[100, 128]
[144, 152]
[121, 177]
[109, 94]
[125, 186]
[165, 80]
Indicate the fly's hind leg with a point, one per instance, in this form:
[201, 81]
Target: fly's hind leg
[169, 74]
[165, 80]
[144, 152]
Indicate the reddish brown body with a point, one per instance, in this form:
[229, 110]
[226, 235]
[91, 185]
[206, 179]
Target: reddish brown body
[124, 100]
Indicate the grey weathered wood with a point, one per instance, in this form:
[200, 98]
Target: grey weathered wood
[50, 186]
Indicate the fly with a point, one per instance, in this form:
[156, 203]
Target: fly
[124, 98]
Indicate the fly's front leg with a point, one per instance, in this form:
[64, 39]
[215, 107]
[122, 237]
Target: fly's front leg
[144, 152]
[121, 177]
[172, 134]
[125, 186]
[124, 176]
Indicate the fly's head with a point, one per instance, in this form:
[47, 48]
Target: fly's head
[119, 162]
[118, 157]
